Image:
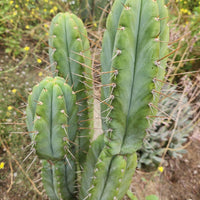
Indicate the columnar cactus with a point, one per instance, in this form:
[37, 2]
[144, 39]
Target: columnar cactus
[133, 47]
[70, 58]
[52, 120]
[133, 60]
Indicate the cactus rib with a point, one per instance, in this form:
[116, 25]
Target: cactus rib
[70, 52]
[134, 59]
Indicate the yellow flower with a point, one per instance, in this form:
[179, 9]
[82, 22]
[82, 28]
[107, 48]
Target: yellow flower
[40, 74]
[11, 2]
[14, 91]
[45, 25]
[52, 11]
[46, 1]
[9, 108]
[16, 6]
[95, 25]
[26, 48]
[11, 21]
[55, 8]
[15, 13]
[45, 10]
[2, 165]
[39, 60]
[47, 33]
[27, 26]
[160, 169]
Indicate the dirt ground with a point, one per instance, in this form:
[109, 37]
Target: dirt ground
[179, 181]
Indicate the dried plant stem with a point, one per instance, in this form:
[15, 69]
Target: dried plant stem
[21, 168]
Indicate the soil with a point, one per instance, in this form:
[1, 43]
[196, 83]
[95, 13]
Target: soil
[179, 181]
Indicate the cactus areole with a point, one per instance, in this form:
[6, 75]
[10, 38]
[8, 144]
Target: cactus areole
[60, 111]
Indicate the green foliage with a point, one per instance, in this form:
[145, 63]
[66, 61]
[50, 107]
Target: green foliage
[156, 141]
[133, 197]
[188, 6]
[151, 197]
[33, 14]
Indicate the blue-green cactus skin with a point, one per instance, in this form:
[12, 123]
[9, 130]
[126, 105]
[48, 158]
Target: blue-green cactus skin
[59, 179]
[55, 118]
[135, 61]
[49, 181]
[110, 176]
[70, 58]
[88, 170]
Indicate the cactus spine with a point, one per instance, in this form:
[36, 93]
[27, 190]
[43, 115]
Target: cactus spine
[133, 58]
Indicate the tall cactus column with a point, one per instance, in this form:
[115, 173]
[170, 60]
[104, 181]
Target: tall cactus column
[132, 54]
[132, 58]
[52, 119]
[70, 58]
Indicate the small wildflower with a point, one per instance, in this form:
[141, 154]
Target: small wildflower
[160, 169]
[11, 21]
[45, 10]
[26, 48]
[52, 11]
[39, 60]
[9, 108]
[14, 91]
[55, 8]
[46, 1]
[2, 165]
[27, 26]
[40, 74]
[95, 25]
[16, 6]
[11, 2]
[45, 25]
[47, 33]
[15, 13]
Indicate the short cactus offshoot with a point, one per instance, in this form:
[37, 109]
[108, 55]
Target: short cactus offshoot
[133, 59]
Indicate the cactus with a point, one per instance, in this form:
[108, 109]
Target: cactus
[133, 58]
[70, 58]
[131, 87]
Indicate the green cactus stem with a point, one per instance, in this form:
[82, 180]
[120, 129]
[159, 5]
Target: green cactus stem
[110, 175]
[52, 116]
[59, 179]
[70, 58]
[135, 63]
